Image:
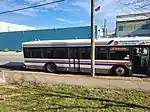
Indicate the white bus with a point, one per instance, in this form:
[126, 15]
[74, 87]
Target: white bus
[116, 56]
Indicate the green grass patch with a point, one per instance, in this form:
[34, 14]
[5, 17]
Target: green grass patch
[64, 98]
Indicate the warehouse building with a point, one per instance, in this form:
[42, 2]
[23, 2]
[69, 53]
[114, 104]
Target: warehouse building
[133, 25]
[13, 40]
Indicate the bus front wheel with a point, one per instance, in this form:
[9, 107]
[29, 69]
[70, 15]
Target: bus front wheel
[50, 67]
[120, 71]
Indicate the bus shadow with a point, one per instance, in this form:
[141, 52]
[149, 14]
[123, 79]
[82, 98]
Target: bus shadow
[13, 65]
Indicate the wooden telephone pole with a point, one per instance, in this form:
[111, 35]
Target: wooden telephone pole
[92, 39]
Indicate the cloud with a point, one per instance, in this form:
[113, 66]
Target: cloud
[28, 12]
[108, 8]
[64, 20]
[7, 5]
[69, 21]
[105, 5]
[50, 6]
[84, 5]
[11, 5]
[34, 1]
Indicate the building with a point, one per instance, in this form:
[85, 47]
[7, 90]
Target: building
[7, 27]
[133, 25]
[13, 40]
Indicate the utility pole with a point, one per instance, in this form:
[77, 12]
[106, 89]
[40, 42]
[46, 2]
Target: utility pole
[104, 28]
[92, 39]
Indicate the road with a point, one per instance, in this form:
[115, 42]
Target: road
[10, 56]
[15, 60]
[11, 59]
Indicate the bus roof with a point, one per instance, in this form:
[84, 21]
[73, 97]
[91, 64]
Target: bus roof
[123, 41]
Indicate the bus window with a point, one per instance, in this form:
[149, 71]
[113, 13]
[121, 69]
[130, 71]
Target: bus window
[61, 53]
[119, 53]
[85, 53]
[35, 52]
[101, 53]
[72, 53]
[48, 52]
[26, 53]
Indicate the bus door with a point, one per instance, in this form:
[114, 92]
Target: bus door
[140, 59]
[74, 59]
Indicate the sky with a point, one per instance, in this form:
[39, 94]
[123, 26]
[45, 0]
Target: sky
[65, 14]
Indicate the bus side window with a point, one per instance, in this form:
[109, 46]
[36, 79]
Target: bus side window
[101, 53]
[26, 53]
[35, 52]
[61, 53]
[119, 53]
[48, 52]
[32, 52]
[72, 53]
[85, 53]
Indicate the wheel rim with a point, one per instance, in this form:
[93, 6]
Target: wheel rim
[50, 67]
[120, 71]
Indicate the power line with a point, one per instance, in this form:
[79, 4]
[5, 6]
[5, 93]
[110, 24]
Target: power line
[32, 7]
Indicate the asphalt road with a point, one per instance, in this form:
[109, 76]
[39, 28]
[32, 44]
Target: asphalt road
[11, 59]
[10, 56]
[14, 60]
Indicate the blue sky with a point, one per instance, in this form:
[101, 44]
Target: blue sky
[64, 14]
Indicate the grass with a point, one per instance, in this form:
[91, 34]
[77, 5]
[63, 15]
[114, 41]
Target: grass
[64, 98]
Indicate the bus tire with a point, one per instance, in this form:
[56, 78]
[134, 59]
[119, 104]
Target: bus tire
[120, 71]
[50, 67]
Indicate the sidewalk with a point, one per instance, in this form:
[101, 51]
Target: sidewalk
[39, 77]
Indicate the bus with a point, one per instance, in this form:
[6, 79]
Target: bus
[115, 56]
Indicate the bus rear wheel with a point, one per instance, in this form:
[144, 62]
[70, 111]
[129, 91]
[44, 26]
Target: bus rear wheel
[50, 67]
[120, 71]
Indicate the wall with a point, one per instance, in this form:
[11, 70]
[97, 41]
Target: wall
[133, 28]
[13, 40]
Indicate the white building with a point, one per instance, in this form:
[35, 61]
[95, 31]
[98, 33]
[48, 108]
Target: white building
[133, 25]
[8, 27]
